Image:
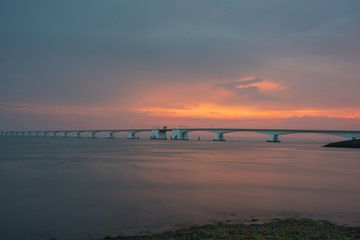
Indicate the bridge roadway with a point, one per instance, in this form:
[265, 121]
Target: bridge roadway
[181, 133]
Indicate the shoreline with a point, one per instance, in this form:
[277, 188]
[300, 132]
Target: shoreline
[276, 229]
[345, 144]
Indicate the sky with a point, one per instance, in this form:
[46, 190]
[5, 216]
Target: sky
[117, 64]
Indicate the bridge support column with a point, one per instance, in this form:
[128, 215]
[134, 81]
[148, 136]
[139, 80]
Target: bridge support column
[43, 134]
[92, 135]
[109, 135]
[132, 135]
[77, 134]
[179, 134]
[64, 134]
[273, 138]
[53, 134]
[158, 134]
[219, 137]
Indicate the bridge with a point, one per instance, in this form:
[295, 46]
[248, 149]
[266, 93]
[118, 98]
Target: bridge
[180, 133]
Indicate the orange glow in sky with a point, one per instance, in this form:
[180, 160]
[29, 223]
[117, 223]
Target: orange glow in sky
[223, 112]
[264, 86]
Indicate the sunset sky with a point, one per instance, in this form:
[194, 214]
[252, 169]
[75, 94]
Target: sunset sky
[116, 64]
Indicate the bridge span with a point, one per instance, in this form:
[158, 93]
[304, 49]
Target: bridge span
[180, 133]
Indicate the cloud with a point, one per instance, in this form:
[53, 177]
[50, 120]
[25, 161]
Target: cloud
[233, 84]
[181, 56]
[247, 88]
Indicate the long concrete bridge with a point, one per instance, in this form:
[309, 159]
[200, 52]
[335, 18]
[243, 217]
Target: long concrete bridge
[180, 133]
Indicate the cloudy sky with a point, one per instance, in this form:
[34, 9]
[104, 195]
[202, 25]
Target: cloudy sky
[200, 63]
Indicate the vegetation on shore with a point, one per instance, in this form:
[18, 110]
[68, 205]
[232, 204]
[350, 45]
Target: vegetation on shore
[345, 144]
[277, 229]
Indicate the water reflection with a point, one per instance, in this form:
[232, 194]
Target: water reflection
[70, 188]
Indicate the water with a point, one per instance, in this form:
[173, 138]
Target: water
[87, 188]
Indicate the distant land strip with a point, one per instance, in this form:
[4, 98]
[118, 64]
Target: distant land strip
[345, 144]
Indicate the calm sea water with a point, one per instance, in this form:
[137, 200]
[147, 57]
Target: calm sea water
[87, 188]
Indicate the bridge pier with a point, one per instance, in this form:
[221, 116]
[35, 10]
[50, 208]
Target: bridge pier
[110, 135]
[77, 134]
[64, 134]
[273, 138]
[92, 135]
[132, 135]
[158, 134]
[179, 134]
[219, 137]
[53, 134]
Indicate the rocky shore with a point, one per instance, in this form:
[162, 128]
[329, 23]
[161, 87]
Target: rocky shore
[345, 144]
[277, 229]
